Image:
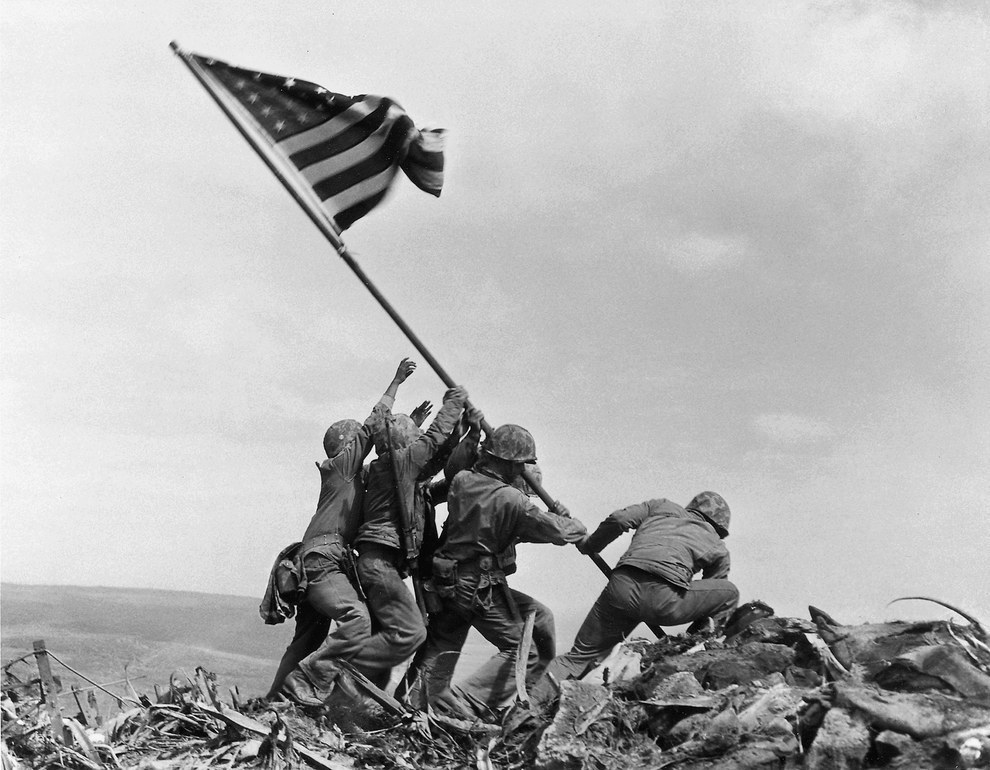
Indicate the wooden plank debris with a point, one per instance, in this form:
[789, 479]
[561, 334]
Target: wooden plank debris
[236, 719]
[50, 692]
[522, 657]
[378, 695]
[94, 707]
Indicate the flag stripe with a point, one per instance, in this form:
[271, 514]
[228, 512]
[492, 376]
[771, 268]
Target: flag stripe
[366, 188]
[348, 158]
[390, 152]
[326, 131]
[347, 217]
[344, 140]
[424, 161]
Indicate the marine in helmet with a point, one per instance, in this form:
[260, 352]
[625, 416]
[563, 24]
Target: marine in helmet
[486, 516]
[326, 558]
[653, 581]
[438, 657]
[395, 524]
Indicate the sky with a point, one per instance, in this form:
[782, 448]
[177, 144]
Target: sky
[723, 246]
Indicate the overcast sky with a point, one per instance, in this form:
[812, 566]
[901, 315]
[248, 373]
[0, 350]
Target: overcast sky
[729, 246]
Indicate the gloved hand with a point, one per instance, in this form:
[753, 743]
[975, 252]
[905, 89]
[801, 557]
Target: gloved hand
[457, 396]
[474, 417]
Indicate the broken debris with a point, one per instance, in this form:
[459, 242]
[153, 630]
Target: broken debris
[780, 692]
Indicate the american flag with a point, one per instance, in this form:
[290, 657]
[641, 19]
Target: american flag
[346, 148]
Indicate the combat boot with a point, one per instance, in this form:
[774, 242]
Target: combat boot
[299, 689]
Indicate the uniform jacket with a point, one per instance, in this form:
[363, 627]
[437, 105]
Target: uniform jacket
[486, 517]
[338, 510]
[416, 465]
[669, 541]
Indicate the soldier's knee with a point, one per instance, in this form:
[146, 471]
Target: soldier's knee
[544, 616]
[353, 625]
[355, 640]
[410, 639]
[362, 626]
[418, 638]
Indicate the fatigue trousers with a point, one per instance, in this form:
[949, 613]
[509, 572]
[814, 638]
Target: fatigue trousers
[631, 597]
[398, 629]
[437, 659]
[330, 596]
[480, 602]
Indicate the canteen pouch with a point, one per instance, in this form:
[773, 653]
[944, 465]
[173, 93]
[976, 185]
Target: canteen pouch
[445, 577]
[431, 598]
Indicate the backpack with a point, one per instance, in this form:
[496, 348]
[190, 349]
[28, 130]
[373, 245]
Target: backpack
[286, 586]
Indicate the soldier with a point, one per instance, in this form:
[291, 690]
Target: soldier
[327, 562]
[652, 583]
[441, 656]
[393, 528]
[486, 517]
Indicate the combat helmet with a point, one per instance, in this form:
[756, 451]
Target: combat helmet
[713, 507]
[512, 443]
[402, 432]
[339, 435]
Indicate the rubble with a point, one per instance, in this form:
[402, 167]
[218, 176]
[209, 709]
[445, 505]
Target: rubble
[842, 743]
[775, 693]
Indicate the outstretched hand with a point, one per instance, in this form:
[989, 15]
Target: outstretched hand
[405, 368]
[560, 509]
[420, 413]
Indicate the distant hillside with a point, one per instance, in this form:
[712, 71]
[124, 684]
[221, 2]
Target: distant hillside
[100, 630]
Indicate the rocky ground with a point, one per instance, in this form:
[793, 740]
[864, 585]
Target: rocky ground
[774, 692]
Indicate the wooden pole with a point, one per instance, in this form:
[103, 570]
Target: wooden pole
[83, 704]
[596, 558]
[95, 707]
[551, 504]
[48, 690]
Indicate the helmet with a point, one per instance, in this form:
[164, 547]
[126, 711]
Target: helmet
[513, 443]
[339, 435]
[713, 507]
[403, 431]
[520, 483]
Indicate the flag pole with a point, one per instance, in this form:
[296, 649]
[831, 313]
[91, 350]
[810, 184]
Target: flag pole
[243, 123]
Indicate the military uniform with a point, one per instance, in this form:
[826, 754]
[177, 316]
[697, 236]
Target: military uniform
[486, 517]
[652, 582]
[382, 555]
[328, 569]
